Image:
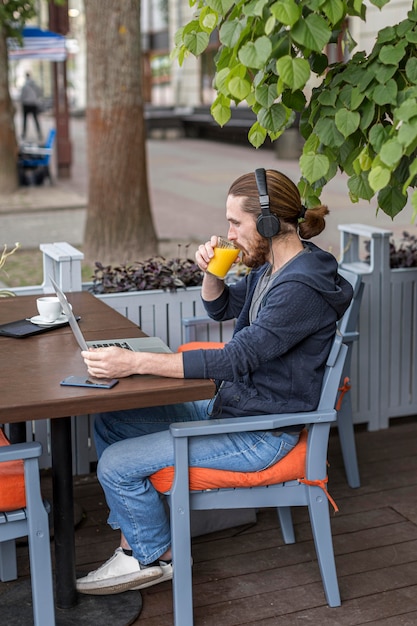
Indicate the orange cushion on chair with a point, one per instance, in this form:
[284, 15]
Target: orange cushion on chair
[12, 481]
[291, 467]
[201, 345]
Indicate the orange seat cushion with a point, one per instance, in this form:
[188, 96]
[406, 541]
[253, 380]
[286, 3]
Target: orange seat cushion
[291, 467]
[12, 482]
[201, 345]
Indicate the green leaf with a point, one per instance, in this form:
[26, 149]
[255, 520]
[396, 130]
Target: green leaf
[312, 144]
[274, 118]
[294, 100]
[318, 63]
[386, 94]
[312, 32]
[208, 19]
[266, 95]
[384, 72]
[314, 166]
[334, 10]
[286, 11]
[411, 37]
[356, 98]
[230, 32]
[328, 97]
[392, 55]
[379, 3]
[378, 135]
[359, 187]
[221, 6]
[294, 72]
[391, 200]
[411, 70]
[270, 25]
[328, 133]
[347, 121]
[221, 81]
[239, 87]
[365, 160]
[412, 174]
[256, 54]
[220, 110]
[367, 114]
[386, 34]
[196, 42]
[407, 133]
[391, 153]
[379, 177]
[254, 8]
[257, 135]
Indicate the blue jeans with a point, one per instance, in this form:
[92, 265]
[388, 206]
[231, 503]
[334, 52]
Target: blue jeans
[134, 444]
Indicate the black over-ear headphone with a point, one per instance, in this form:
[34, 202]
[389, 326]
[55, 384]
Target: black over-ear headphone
[267, 223]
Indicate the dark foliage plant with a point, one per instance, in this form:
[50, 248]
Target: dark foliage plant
[154, 273]
[401, 255]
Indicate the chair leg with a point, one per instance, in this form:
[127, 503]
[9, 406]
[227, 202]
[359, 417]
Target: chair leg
[8, 564]
[285, 520]
[347, 442]
[179, 502]
[322, 534]
[39, 549]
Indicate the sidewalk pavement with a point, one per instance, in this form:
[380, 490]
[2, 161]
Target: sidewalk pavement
[188, 183]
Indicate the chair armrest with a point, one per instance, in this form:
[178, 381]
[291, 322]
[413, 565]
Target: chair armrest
[250, 423]
[350, 336]
[17, 451]
[195, 321]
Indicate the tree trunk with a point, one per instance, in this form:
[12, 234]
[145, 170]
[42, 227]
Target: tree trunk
[119, 224]
[8, 143]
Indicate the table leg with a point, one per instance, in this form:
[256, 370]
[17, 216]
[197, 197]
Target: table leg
[17, 432]
[64, 534]
[84, 610]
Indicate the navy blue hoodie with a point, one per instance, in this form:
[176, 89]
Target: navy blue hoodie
[276, 364]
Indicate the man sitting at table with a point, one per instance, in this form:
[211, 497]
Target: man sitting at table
[286, 310]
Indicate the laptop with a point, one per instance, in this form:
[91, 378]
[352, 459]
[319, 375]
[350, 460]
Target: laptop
[137, 344]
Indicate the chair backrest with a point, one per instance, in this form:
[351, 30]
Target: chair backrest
[349, 321]
[332, 374]
[51, 138]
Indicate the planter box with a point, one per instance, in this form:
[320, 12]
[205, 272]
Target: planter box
[384, 362]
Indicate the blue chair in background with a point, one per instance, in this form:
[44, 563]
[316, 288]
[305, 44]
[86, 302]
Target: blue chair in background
[35, 161]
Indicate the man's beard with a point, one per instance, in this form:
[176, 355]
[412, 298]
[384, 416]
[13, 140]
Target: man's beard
[261, 248]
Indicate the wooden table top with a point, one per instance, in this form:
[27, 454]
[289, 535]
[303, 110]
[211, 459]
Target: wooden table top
[32, 368]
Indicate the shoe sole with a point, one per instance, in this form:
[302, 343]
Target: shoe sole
[103, 590]
[149, 583]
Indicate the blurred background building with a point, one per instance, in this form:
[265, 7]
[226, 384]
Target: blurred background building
[165, 82]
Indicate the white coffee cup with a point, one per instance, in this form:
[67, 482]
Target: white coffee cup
[49, 308]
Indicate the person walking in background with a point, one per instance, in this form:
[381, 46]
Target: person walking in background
[30, 98]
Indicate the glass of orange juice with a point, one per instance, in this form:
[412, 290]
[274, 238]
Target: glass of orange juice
[225, 254]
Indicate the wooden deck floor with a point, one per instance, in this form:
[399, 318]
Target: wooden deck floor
[247, 575]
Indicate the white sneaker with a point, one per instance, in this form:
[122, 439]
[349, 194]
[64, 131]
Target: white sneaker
[120, 573]
[167, 571]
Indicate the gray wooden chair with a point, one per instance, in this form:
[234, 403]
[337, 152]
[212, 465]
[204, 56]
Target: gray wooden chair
[31, 521]
[195, 329]
[308, 490]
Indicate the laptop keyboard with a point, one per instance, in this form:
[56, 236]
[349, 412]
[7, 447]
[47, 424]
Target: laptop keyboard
[119, 344]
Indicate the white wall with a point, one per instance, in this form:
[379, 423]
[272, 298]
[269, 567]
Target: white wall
[392, 13]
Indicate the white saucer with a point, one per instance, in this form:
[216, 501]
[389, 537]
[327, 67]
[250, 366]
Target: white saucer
[39, 321]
